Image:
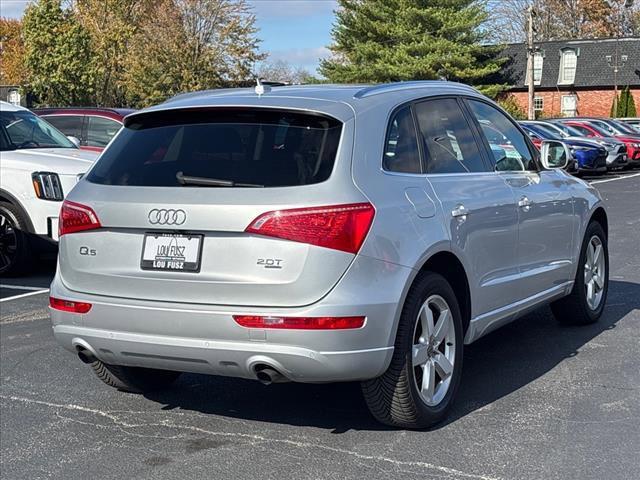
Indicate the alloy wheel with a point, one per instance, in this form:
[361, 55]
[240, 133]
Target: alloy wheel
[594, 273]
[8, 243]
[434, 349]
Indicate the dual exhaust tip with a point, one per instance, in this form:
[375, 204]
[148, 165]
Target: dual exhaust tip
[264, 373]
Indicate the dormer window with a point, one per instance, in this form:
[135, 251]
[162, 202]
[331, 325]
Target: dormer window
[538, 60]
[568, 64]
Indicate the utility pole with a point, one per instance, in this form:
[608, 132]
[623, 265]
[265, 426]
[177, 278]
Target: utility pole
[531, 112]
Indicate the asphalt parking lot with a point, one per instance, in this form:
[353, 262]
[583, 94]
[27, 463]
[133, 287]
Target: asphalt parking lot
[537, 401]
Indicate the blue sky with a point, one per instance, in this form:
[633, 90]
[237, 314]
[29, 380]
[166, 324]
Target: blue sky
[297, 31]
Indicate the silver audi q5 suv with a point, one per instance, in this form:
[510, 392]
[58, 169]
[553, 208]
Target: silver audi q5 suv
[322, 234]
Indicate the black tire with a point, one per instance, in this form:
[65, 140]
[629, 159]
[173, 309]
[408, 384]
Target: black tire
[15, 247]
[574, 308]
[133, 379]
[393, 398]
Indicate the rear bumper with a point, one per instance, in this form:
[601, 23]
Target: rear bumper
[205, 338]
[617, 160]
[216, 357]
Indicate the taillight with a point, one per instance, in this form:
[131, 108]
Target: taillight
[75, 217]
[68, 305]
[47, 186]
[299, 323]
[340, 227]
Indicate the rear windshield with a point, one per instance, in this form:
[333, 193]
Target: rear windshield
[245, 148]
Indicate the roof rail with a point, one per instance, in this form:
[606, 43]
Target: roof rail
[399, 86]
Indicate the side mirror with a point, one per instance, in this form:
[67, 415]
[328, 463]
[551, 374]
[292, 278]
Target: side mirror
[554, 154]
[74, 140]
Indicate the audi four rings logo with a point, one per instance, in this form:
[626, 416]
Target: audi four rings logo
[167, 216]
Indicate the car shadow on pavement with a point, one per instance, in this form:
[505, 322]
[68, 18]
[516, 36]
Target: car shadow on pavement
[494, 366]
[521, 352]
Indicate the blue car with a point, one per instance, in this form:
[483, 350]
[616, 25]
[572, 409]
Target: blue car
[589, 157]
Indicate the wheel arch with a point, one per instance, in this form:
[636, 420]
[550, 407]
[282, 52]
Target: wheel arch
[9, 198]
[448, 265]
[600, 215]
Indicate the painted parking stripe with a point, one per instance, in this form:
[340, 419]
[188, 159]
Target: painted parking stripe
[614, 179]
[19, 287]
[29, 294]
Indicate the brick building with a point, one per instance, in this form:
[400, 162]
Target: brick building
[574, 77]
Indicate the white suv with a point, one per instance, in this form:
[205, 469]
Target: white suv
[38, 166]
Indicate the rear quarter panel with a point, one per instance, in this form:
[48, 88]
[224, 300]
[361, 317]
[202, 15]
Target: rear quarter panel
[399, 235]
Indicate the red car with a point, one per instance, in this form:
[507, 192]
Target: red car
[631, 142]
[92, 127]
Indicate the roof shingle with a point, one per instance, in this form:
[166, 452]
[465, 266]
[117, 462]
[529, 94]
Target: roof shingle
[592, 69]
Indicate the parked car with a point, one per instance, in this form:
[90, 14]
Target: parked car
[39, 166]
[633, 122]
[322, 234]
[92, 127]
[616, 149]
[594, 129]
[590, 158]
[613, 126]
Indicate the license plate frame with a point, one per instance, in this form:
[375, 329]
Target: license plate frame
[174, 262]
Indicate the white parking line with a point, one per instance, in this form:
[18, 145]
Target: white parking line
[617, 178]
[19, 287]
[15, 297]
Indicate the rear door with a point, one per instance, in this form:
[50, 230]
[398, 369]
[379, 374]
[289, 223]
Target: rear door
[478, 206]
[545, 205]
[181, 197]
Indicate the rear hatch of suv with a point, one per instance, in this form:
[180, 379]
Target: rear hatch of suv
[226, 206]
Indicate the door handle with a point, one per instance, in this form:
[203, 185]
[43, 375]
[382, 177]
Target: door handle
[525, 204]
[460, 212]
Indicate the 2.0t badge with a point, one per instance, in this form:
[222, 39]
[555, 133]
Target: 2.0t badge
[167, 216]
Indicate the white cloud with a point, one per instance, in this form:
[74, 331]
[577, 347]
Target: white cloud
[292, 8]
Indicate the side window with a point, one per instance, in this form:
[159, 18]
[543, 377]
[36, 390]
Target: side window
[448, 139]
[507, 143]
[401, 145]
[70, 125]
[100, 131]
[532, 134]
[585, 131]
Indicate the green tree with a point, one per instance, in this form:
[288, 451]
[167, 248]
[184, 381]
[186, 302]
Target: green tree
[58, 54]
[396, 40]
[626, 104]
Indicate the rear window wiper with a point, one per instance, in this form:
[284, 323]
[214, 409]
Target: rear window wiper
[211, 182]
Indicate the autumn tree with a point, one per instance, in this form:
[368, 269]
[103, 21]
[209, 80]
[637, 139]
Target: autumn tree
[394, 40]
[13, 70]
[191, 45]
[282, 71]
[112, 25]
[58, 55]
[563, 19]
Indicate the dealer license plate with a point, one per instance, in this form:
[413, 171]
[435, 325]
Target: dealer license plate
[171, 251]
